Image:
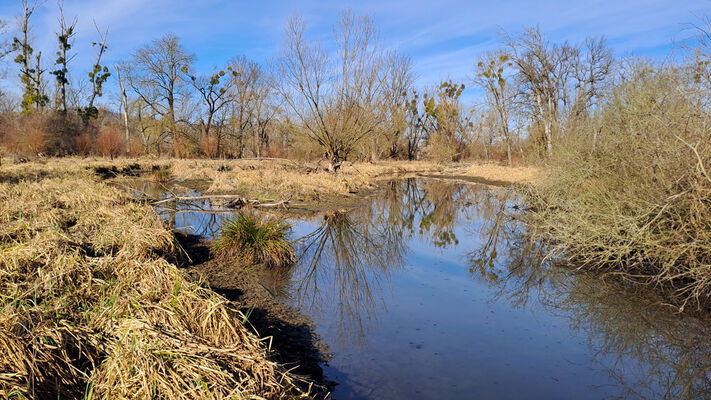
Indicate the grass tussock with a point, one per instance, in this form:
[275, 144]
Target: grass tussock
[630, 191]
[90, 305]
[161, 175]
[256, 239]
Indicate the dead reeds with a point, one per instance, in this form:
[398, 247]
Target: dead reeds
[91, 306]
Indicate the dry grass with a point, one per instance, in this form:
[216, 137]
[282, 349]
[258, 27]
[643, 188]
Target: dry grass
[90, 304]
[281, 179]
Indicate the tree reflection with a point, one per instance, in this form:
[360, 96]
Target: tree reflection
[647, 347]
[350, 255]
[342, 262]
[426, 208]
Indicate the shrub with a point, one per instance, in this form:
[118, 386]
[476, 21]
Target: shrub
[109, 142]
[629, 191]
[256, 239]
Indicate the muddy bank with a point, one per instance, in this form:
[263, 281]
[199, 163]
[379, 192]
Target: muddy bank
[289, 334]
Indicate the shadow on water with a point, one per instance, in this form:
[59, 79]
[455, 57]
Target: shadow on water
[432, 289]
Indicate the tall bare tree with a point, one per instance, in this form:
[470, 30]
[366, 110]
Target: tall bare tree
[33, 98]
[544, 71]
[491, 75]
[156, 77]
[124, 108]
[66, 33]
[214, 92]
[97, 76]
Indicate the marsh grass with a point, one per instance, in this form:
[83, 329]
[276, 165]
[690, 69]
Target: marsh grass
[161, 175]
[92, 306]
[256, 239]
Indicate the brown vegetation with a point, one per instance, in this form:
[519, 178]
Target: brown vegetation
[91, 303]
[628, 191]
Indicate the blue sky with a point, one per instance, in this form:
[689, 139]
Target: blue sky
[442, 37]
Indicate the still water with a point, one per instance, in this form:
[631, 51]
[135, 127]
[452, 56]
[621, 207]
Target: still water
[430, 290]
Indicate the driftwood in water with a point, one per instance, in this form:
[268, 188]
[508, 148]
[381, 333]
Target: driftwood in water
[233, 201]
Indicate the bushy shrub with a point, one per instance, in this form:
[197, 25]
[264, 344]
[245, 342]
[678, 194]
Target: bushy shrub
[630, 191]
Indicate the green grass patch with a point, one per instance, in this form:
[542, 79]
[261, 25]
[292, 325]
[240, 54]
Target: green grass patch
[256, 239]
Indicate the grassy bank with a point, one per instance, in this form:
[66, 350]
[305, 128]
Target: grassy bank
[282, 178]
[92, 303]
[270, 179]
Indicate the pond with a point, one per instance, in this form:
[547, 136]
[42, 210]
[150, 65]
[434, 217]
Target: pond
[430, 290]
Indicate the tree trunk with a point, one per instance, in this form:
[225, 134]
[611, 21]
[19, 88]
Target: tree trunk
[124, 100]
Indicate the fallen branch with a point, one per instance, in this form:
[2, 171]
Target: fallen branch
[196, 198]
[234, 201]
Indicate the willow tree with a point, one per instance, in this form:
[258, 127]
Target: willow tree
[338, 99]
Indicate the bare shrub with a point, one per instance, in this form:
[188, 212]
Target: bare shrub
[109, 142]
[629, 191]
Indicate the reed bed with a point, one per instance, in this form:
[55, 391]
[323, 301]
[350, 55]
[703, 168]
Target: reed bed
[92, 304]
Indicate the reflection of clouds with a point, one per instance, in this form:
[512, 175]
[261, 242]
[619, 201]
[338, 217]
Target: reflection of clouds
[647, 348]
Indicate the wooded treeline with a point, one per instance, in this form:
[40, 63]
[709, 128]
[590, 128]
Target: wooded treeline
[351, 98]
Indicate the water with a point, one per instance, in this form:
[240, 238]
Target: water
[429, 290]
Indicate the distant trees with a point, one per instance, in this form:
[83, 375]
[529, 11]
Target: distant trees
[156, 76]
[338, 100]
[350, 97]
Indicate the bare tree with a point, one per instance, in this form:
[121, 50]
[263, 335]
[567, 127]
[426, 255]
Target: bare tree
[214, 92]
[98, 76]
[30, 75]
[450, 123]
[156, 77]
[124, 106]
[337, 100]
[491, 75]
[544, 72]
[245, 94]
[420, 121]
[592, 71]
[65, 35]
[399, 83]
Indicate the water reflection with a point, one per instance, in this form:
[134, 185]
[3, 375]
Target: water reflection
[428, 208]
[646, 347]
[343, 261]
[356, 278]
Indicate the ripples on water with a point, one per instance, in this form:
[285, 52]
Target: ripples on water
[430, 289]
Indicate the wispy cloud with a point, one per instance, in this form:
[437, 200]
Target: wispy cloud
[443, 38]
